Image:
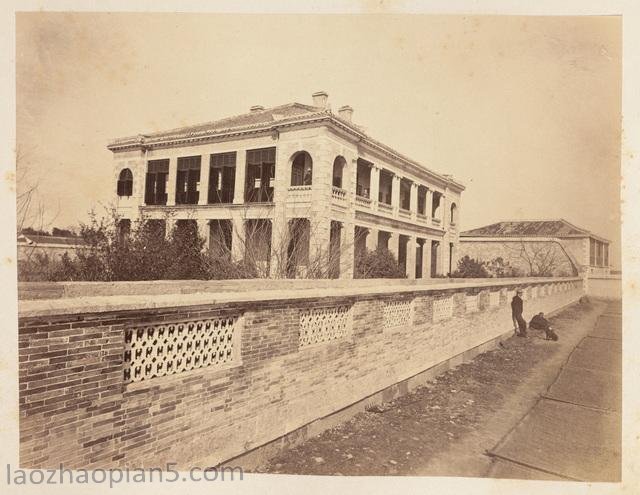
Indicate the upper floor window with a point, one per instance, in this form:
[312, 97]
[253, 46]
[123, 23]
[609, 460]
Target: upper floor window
[454, 214]
[302, 170]
[259, 181]
[338, 171]
[222, 178]
[125, 182]
[155, 191]
[188, 180]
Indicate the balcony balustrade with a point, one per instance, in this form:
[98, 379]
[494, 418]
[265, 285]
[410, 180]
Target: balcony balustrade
[339, 194]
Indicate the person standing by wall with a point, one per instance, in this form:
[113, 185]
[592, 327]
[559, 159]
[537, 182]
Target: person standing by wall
[516, 314]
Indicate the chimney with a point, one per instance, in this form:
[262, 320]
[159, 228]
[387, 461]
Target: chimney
[256, 108]
[346, 113]
[320, 99]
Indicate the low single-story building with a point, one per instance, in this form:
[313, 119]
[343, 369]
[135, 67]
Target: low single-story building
[52, 246]
[539, 247]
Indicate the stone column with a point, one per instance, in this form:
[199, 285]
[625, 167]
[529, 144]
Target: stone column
[171, 184]
[394, 239]
[372, 239]
[395, 193]
[429, 206]
[205, 170]
[443, 258]
[279, 220]
[411, 257]
[169, 225]
[438, 257]
[413, 200]
[237, 240]
[241, 166]
[347, 250]
[353, 174]
[319, 241]
[426, 259]
[375, 184]
[204, 230]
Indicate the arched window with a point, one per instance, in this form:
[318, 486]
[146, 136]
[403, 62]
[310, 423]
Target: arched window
[125, 183]
[338, 170]
[302, 170]
[454, 214]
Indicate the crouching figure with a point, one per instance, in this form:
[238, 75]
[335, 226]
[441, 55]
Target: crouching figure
[539, 322]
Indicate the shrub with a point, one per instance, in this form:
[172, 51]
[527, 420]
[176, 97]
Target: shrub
[114, 251]
[500, 268]
[470, 268]
[380, 263]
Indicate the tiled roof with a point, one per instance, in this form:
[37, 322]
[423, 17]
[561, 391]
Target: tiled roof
[529, 228]
[265, 116]
[265, 120]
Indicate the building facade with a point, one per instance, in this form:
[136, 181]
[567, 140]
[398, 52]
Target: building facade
[558, 244]
[298, 190]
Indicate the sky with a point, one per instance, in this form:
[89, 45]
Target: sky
[525, 111]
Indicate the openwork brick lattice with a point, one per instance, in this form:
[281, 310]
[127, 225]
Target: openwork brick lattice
[397, 313]
[168, 348]
[324, 324]
[442, 308]
[472, 303]
[494, 298]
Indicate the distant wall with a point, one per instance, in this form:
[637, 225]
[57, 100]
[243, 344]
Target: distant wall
[487, 250]
[197, 379]
[605, 287]
[53, 251]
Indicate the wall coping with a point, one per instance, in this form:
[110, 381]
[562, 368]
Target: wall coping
[129, 302]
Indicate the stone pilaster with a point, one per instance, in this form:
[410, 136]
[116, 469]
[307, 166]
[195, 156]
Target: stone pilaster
[347, 250]
[204, 230]
[171, 184]
[375, 184]
[394, 241]
[238, 240]
[395, 193]
[429, 203]
[372, 239]
[205, 170]
[241, 167]
[413, 200]
[426, 259]
[411, 257]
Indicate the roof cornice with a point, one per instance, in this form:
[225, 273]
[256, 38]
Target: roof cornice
[146, 142]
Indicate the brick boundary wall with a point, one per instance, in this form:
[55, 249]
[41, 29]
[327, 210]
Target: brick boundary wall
[76, 408]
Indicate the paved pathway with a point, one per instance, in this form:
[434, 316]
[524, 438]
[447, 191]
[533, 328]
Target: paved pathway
[573, 432]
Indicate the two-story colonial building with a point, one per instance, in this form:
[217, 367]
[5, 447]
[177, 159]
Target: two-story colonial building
[291, 186]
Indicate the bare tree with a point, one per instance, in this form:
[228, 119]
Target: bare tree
[31, 210]
[541, 258]
[288, 248]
